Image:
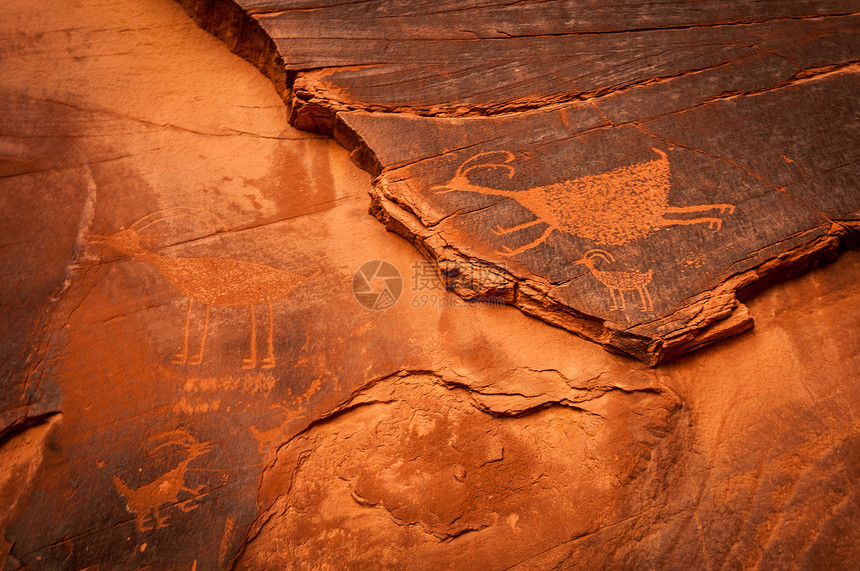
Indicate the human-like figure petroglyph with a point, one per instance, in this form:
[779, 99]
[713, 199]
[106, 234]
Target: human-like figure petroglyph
[211, 281]
[619, 282]
[615, 207]
[146, 501]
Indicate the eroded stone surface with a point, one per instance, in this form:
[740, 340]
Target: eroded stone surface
[419, 434]
[620, 170]
[419, 462]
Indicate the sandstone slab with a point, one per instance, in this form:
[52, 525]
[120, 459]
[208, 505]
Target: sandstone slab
[620, 170]
[140, 431]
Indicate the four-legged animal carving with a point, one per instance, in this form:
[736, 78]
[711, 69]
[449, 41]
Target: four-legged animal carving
[619, 282]
[615, 207]
[146, 501]
[213, 281]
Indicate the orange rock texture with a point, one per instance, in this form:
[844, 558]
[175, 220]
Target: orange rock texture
[219, 351]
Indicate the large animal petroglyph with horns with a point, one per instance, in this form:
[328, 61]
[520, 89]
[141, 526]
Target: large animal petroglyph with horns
[611, 208]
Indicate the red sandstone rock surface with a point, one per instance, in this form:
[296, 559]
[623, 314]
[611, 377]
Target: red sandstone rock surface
[617, 169]
[192, 379]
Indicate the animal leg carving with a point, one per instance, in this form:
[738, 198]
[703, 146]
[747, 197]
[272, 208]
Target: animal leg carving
[498, 230]
[723, 208]
[647, 304]
[199, 358]
[269, 361]
[713, 223]
[617, 298]
[194, 491]
[508, 252]
[160, 520]
[251, 362]
[187, 506]
[182, 357]
[141, 521]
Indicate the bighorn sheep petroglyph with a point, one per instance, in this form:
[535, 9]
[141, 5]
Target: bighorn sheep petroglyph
[619, 282]
[615, 207]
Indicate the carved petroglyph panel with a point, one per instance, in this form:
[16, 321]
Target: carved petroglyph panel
[525, 197]
[148, 502]
[210, 280]
[612, 208]
[720, 95]
[623, 205]
[619, 282]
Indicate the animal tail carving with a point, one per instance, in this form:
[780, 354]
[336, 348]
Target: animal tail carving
[120, 486]
[661, 153]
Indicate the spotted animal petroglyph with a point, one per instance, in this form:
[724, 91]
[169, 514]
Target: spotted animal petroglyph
[210, 280]
[146, 501]
[614, 208]
[619, 282]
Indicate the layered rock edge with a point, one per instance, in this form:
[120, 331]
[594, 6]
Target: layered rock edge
[327, 98]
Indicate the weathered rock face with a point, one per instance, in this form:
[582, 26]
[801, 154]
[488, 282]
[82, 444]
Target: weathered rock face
[203, 372]
[620, 170]
[418, 464]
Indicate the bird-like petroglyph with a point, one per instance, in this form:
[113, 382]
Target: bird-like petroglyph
[619, 282]
[146, 502]
[611, 208]
[210, 280]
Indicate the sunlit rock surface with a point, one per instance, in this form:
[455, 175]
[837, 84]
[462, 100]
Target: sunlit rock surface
[619, 169]
[202, 371]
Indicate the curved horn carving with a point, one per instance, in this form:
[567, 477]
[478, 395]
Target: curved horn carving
[210, 220]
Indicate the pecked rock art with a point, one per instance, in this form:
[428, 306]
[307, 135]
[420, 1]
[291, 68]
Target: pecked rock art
[683, 263]
[536, 467]
[211, 281]
[611, 208]
[765, 129]
[146, 501]
[617, 282]
[622, 205]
